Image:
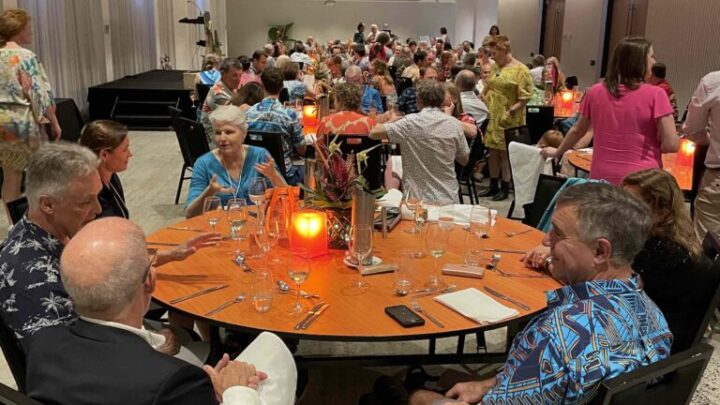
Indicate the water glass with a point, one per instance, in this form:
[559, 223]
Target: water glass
[361, 243]
[437, 238]
[257, 189]
[481, 220]
[403, 281]
[474, 254]
[236, 216]
[212, 208]
[262, 292]
[446, 216]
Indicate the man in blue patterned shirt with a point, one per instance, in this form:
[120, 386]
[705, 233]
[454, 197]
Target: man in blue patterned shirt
[270, 115]
[599, 325]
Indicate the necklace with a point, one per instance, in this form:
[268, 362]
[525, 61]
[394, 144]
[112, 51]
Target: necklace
[119, 201]
[227, 171]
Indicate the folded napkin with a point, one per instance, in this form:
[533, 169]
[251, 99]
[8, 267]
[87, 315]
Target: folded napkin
[268, 353]
[461, 213]
[527, 163]
[477, 306]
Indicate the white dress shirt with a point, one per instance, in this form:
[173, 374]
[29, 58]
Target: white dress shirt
[703, 119]
[472, 105]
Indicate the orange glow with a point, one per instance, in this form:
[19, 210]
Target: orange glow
[685, 154]
[309, 232]
[567, 96]
[310, 115]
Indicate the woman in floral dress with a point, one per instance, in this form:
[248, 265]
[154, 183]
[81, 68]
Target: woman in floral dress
[26, 101]
[507, 90]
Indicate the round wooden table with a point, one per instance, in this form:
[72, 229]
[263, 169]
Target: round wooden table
[351, 316]
[582, 160]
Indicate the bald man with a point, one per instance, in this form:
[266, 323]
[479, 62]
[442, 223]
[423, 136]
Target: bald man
[106, 356]
[471, 103]
[371, 98]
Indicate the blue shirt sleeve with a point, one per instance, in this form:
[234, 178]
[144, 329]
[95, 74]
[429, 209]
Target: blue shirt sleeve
[201, 176]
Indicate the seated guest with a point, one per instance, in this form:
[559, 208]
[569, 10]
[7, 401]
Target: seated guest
[420, 59]
[383, 82]
[210, 73]
[248, 95]
[298, 55]
[270, 115]
[228, 170]
[296, 88]
[431, 142]
[551, 137]
[62, 187]
[247, 75]
[359, 36]
[347, 119]
[107, 356]
[466, 82]
[370, 98]
[268, 49]
[657, 78]
[258, 62]
[360, 58]
[453, 105]
[220, 93]
[537, 69]
[407, 101]
[599, 325]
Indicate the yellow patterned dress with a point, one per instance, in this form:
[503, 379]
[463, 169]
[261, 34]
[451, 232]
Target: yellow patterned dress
[505, 87]
[25, 96]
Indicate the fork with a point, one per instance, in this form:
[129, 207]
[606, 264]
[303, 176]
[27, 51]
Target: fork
[511, 234]
[416, 306]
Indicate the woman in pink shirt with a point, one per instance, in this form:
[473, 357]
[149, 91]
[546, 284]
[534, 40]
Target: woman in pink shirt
[632, 121]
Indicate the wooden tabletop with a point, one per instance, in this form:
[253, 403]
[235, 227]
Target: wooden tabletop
[683, 174]
[351, 316]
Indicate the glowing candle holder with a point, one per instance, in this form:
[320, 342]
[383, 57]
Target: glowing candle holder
[685, 153]
[308, 232]
[567, 98]
[310, 115]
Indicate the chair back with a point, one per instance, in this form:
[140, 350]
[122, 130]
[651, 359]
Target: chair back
[355, 143]
[519, 134]
[539, 119]
[17, 208]
[191, 138]
[545, 191]
[669, 381]
[272, 142]
[14, 355]
[9, 396]
[202, 92]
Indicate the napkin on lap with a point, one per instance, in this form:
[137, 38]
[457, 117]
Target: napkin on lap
[476, 305]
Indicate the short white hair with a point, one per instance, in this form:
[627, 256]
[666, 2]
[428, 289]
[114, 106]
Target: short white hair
[54, 166]
[229, 114]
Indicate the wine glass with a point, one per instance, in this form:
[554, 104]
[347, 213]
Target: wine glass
[361, 246]
[263, 240]
[212, 207]
[298, 270]
[480, 221]
[236, 216]
[436, 238]
[412, 201]
[257, 190]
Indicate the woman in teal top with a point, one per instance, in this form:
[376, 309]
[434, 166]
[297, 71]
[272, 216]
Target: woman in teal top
[228, 170]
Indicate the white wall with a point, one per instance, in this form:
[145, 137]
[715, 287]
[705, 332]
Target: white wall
[520, 21]
[583, 36]
[473, 19]
[685, 38]
[249, 20]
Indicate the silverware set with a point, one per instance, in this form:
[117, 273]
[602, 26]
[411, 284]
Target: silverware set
[311, 316]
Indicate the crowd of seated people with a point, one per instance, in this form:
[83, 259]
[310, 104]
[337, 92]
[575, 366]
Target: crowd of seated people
[623, 251]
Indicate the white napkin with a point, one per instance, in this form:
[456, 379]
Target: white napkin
[461, 214]
[268, 353]
[527, 163]
[585, 150]
[477, 306]
[391, 199]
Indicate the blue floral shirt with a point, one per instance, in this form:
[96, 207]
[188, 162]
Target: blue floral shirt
[371, 97]
[270, 115]
[31, 292]
[590, 332]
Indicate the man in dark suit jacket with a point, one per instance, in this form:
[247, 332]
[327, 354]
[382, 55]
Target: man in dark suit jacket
[106, 357]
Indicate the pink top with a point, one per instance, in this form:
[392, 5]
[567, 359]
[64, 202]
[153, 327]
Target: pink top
[625, 131]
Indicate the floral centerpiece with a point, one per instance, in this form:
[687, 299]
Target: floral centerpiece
[338, 179]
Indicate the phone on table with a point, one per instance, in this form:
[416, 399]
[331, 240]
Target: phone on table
[404, 316]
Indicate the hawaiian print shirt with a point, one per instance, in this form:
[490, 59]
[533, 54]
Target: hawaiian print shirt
[31, 292]
[219, 94]
[590, 332]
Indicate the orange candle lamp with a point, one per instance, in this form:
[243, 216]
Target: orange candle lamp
[310, 115]
[308, 232]
[685, 153]
[567, 98]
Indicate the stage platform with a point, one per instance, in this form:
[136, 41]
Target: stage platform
[141, 101]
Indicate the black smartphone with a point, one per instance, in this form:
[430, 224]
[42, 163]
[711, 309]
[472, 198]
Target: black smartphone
[404, 316]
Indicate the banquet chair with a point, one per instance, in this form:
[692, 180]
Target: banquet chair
[669, 381]
[193, 144]
[202, 92]
[14, 354]
[9, 396]
[538, 120]
[272, 142]
[465, 173]
[519, 134]
[17, 209]
[545, 191]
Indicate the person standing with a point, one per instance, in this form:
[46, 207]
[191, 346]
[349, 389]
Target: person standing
[26, 102]
[359, 37]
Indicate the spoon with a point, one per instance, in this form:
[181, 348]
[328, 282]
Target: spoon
[239, 259]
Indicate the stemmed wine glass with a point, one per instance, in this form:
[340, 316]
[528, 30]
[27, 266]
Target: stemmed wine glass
[412, 202]
[436, 237]
[212, 207]
[361, 246]
[298, 270]
[257, 190]
[237, 217]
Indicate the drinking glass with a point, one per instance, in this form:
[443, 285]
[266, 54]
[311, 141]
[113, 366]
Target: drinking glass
[257, 190]
[480, 221]
[298, 269]
[361, 246]
[212, 207]
[412, 201]
[436, 238]
[263, 238]
[236, 216]
[473, 251]
[262, 292]
[446, 216]
[549, 93]
[403, 282]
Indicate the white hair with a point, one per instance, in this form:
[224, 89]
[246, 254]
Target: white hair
[229, 114]
[54, 166]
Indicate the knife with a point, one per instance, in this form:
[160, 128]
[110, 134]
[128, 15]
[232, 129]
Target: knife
[198, 293]
[506, 251]
[309, 314]
[185, 228]
[314, 316]
[506, 298]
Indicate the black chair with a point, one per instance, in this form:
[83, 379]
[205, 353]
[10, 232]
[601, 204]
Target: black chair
[698, 171]
[17, 208]
[284, 96]
[465, 173]
[545, 191]
[519, 134]
[14, 355]
[355, 143]
[202, 92]
[670, 381]
[272, 142]
[538, 120]
[193, 144]
[9, 396]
